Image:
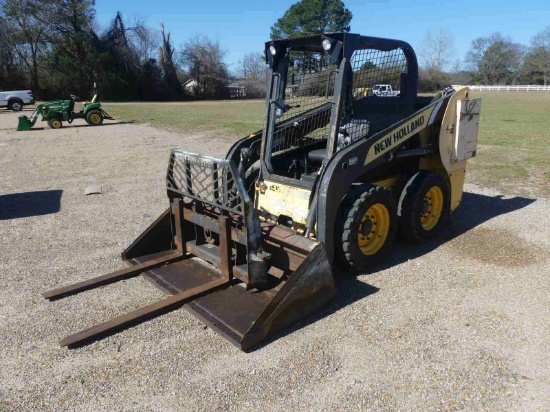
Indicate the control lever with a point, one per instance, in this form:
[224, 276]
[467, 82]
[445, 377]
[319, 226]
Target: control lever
[294, 167]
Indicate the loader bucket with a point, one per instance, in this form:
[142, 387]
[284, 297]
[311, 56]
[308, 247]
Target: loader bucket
[24, 123]
[209, 253]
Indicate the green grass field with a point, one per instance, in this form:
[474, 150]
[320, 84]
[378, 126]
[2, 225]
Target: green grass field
[513, 157]
[514, 139]
[231, 119]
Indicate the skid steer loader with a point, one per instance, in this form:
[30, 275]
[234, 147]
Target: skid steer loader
[248, 243]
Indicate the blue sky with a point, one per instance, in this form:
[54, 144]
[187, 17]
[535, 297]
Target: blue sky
[243, 26]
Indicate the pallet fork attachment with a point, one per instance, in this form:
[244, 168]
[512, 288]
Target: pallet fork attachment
[210, 253]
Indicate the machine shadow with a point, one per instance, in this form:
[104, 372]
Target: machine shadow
[349, 289]
[34, 129]
[474, 210]
[104, 124]
[28, 204]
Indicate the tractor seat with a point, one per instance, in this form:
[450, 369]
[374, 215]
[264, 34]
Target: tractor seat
[317, 156]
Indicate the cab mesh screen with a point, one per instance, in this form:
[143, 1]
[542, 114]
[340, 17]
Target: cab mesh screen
[375, 67]
[309, 88]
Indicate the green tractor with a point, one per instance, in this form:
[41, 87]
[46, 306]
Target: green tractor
[59, 111]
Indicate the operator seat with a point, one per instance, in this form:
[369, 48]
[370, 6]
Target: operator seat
[317, 156]
[94, 99]
[353, 130]
[72, 103]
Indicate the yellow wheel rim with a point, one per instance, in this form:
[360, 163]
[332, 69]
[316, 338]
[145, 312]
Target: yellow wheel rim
[56, 124]
[432, 208]
[374, 229]
[94, 118]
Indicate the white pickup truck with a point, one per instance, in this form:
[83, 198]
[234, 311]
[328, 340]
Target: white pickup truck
[15, 100]
[384, 90]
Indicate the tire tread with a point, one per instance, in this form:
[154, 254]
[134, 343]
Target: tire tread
[409, 228]
[350, 213]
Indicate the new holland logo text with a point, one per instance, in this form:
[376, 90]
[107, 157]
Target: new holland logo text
[396, 136]
[399, 135]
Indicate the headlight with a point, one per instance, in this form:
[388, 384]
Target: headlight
[272, 50]
[327, 45]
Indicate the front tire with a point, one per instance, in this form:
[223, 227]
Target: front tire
[15, 105]
[55, 124]
[94, 118]
[424, 206]
[369, 227]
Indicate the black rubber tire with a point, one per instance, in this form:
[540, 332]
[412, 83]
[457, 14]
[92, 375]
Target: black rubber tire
[355, 205]
[90, 116]
[411, 204]
[15, 105]
[54, 124]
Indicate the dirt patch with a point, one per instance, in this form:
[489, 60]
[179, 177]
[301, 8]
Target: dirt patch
[425, 332]
[498, 247]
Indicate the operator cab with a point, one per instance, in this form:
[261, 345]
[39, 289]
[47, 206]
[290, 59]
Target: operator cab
[321, 98]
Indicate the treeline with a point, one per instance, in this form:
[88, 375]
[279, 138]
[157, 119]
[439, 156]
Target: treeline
[55, 47]
[492, 60]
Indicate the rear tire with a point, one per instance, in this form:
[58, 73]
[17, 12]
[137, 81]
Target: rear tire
[15, 105]
[94, 118]
[424, 206]
[370, 223]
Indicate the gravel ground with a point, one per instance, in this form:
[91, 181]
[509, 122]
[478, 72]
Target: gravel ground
[461, 323]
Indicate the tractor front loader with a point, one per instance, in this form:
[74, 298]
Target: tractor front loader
[250, 243]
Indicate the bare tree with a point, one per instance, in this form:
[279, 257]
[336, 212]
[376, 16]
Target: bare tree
[539, 56]
[254, 70]
[116, 38]
[204, 60]
[437, 50]
[11, 68]
[28, 33]
[145, 40]
[253, 66]
[168, 66]
[457, 66]
[496, 59]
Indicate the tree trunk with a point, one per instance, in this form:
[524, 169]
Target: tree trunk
[34, 73]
